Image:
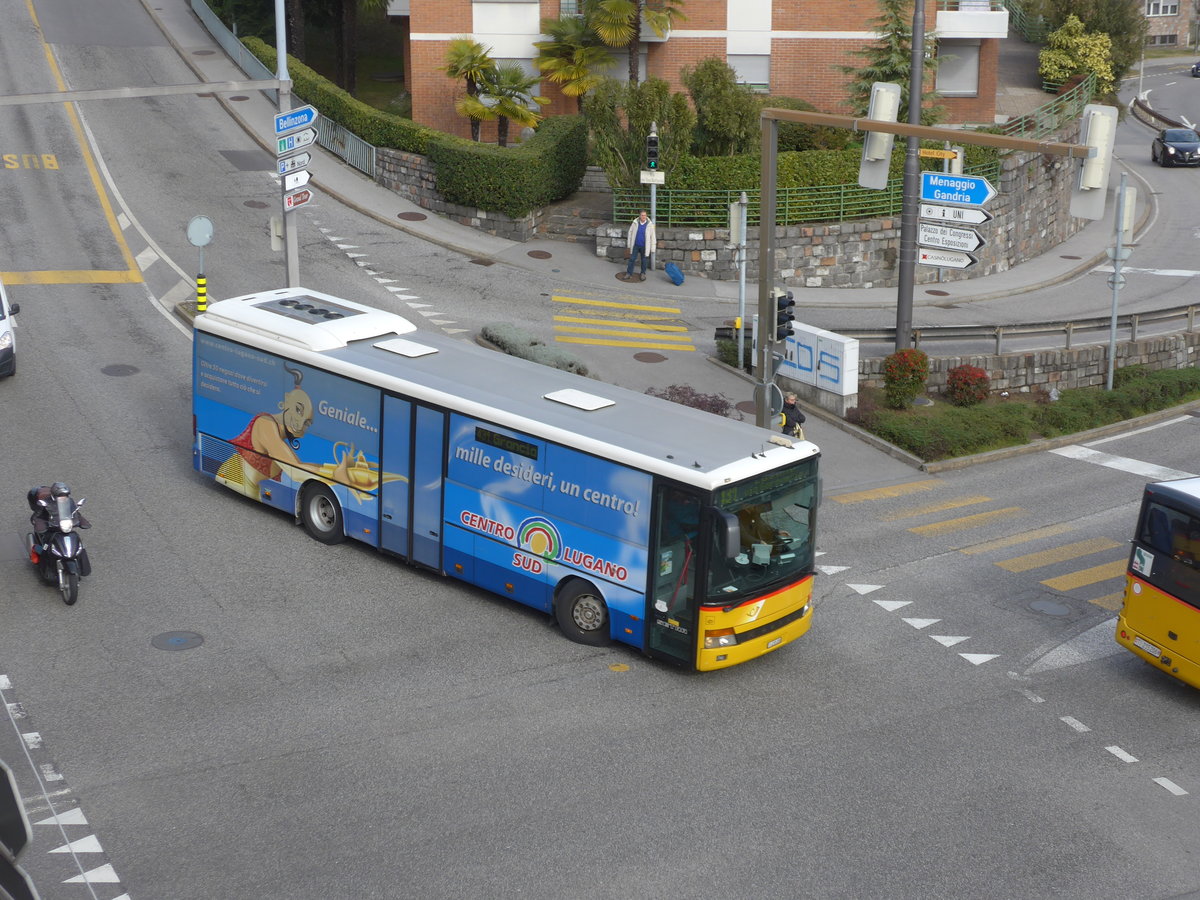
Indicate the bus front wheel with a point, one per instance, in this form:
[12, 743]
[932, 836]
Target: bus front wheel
[321, 514]
[582, 614]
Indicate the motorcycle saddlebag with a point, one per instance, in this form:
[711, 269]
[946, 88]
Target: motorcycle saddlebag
[85, 564]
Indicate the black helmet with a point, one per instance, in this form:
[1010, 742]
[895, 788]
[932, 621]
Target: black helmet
[60, 489]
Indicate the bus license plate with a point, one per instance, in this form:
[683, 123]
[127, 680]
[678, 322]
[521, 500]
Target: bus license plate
[1147, 646]
[774, 643]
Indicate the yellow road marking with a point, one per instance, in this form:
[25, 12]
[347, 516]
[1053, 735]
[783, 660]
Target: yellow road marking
[1056, 555]
[645, 345]
[1086, 576]
[612, 304]
[131, 275]
[567, 329]
[964, 522]
[1013, 539]
[895, 490]
[1110, 601]
[953, 503]
[644, 325]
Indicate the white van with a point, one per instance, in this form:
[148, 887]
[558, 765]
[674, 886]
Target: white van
[8, 340]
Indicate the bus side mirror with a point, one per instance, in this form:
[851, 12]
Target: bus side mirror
[730, 533]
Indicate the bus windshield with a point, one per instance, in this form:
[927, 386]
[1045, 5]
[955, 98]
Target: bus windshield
[1174, 564]
[776, 513]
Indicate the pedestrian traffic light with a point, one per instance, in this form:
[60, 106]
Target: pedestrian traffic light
[652, 151]
[1097, 130]
[784, 315]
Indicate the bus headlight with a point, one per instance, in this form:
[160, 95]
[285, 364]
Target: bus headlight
[723, 637]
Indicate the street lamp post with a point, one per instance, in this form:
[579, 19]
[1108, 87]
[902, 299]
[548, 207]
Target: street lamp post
[910, 200]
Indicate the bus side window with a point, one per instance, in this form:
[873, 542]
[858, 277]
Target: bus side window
[1158, 531]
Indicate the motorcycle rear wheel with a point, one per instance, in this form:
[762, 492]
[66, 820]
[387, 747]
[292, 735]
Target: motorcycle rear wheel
[68, 584]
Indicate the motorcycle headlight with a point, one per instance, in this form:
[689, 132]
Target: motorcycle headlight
[65, 525]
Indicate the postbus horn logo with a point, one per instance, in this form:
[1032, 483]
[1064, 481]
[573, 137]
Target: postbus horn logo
[539, 537]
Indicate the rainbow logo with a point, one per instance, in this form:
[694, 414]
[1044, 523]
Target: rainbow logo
[539, 536]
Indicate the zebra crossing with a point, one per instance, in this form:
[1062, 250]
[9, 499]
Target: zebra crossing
[609, 323]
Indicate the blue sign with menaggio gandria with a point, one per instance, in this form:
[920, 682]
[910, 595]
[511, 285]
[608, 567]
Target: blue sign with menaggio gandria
[297, 118]
[964, 190]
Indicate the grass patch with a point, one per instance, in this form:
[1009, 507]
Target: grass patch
[943, 431]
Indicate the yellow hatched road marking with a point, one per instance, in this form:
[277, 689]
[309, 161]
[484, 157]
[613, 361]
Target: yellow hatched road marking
[1056, 555]
[612, 304]
[645, 325]
[882, 493]
[619, 331]
[645, 345]
[1013, 539]
[1110, 602]
[1085, 577]
[962, 522]
[76, 276]
[953, 503]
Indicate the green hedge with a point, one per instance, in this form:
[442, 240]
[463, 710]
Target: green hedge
[510, 180]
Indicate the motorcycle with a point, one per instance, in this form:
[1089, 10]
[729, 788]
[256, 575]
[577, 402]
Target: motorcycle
[54, 546]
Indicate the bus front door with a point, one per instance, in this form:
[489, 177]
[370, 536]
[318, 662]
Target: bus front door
[671, 613]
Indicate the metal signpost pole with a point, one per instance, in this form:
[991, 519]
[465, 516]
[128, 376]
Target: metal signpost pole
[912, 175]
[743, 204]
[290, 244]
[766, 274]
[653, 198]
[1115, 280]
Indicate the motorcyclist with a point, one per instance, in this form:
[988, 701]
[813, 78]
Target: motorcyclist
[50, 503]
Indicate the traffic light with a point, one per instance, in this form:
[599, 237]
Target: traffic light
[784, 315]
[652, 151]
[1097, 130]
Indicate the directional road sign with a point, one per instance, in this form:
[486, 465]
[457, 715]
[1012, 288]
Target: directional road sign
[297, 141]
[299, 179]
[936, 153]
[292, 163]
[964, 190]
[299, 198]
[297, 118]
[962, 215]
[946, 259]
[931, 234]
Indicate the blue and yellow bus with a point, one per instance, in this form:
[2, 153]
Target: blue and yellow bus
[626, 517]
[1160, 617]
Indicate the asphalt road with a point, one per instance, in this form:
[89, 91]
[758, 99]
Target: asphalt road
[342, 726]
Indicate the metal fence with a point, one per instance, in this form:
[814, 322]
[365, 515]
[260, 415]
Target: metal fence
[330, 135]
[1032, 28]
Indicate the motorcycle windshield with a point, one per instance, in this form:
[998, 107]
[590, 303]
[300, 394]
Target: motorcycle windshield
[65, 513]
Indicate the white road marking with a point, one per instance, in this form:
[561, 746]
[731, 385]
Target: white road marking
[892, 605]
[1121, 754]
[861, 589]
[1032, 697]
[1125, 434]
[70, 817]
[89, 844]
[949, 640]
[146, 259]
[831, 570]
[922, 623]
[1132, 270]
[1074, 723]
[977, 659]
[1170, 786]
[1121, 463]
[102, 875]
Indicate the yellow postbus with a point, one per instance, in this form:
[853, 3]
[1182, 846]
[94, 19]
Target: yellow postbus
[1160, 618]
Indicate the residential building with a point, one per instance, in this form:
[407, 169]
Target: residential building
[793, 48]
[1172, 23]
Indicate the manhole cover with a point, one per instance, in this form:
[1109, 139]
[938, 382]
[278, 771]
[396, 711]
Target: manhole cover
[120, 369]
[412, 216]
[936, 293]
[177, 640]
[484, 262]
[747, 406]
[538, 254]
[1050, 607]
[647, 357]
[1070, 257]
[203, 52]
[239, 97]
[254, 204]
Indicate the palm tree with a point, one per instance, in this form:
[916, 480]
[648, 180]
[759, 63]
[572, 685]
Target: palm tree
[619, 23]
[469, 60]
[511, 90]
[574, 57]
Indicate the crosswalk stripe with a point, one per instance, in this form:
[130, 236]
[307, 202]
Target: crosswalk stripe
[624, 331]
[1013, 539]
[1111, 602]
[1056, 555]
[645, 345]
[646, 325]
[892, 490]
[953, 503]
[1084, 577]
[1121, 463]
[964, 522]
[612, 304]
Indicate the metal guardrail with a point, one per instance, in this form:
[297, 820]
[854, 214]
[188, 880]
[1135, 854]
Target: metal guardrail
[1032, 28]
[1050, 117]
[1130, 323]
[330, 135]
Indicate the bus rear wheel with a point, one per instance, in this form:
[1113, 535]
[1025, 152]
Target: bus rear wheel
[582, 614]
[321, 514]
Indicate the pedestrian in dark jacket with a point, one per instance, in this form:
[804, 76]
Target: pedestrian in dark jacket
[792, 418]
